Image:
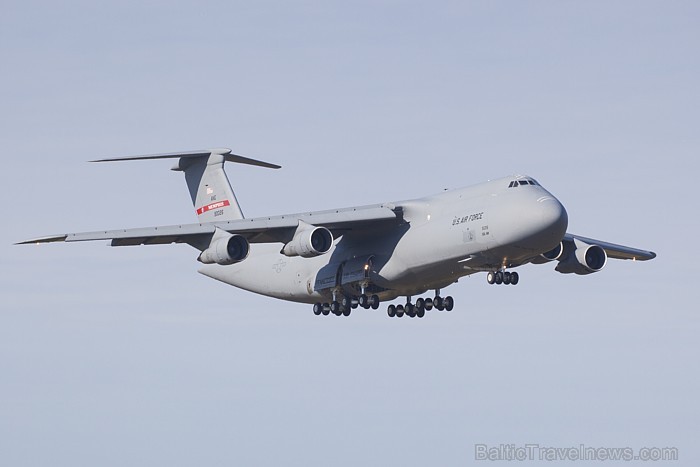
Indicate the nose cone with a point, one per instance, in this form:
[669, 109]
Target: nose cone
[554, 219]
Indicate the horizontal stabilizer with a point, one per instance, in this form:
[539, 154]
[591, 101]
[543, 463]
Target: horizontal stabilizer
[203, 153]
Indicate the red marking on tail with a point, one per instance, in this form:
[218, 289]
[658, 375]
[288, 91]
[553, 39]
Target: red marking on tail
[212, 206]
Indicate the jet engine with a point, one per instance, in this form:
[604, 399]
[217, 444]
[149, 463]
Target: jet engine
[309, 241]
[551, 255]
[225, 248]
[582, 258]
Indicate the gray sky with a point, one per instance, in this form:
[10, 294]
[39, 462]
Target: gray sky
[127, 356]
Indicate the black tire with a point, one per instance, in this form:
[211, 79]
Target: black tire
[391, 311]
[438, 303]
[374, 302]
[420, 304]
[335, 308]
[428, 304]
[491, 277]
[326, 309]
[399, 311]
[420, 312]
[364, 301]
[499, 278]
[410, 310]
[346, 311]
[506, 278]
[449, 303]
[514, 278]
[318, 309]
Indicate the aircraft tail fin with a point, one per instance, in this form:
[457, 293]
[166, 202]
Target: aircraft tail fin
[210, 189]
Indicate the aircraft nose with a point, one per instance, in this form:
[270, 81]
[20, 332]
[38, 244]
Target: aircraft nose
[554, 218]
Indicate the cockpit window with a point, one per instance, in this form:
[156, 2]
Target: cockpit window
[527, 181]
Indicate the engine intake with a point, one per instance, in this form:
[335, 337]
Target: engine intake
[592, 257]
[309, 241]
[582, 258]
[225, 249]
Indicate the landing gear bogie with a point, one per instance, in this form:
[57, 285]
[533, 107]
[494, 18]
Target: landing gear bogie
[502, 277]
[421, 306]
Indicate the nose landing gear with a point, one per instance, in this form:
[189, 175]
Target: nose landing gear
[502, 277]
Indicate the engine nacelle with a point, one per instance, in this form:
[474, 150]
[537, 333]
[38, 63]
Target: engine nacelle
[225, 249]
[551, 255]
[309, 241]
[583, 259]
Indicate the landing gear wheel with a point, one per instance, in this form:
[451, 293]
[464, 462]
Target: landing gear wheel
[514, 278]
[399, 311]
[318, 309]
[391, 311]
[438, 303]
[410, 310]
[420, 305]
[420, 312]
[491, 277]
[428, 304]
[374, 302]
[449, 303]
[346, 311]
[506, 278]
[335, 308]
[326, 309]
[364, 301]
[499, 278]
[346, 303]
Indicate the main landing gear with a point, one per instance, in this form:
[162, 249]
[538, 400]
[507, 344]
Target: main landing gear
[421, 306]
[503, 277]
[346, 304]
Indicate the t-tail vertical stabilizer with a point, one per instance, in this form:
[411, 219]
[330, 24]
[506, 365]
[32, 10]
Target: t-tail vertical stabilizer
[212, 196]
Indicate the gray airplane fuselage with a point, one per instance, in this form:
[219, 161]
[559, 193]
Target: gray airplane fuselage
[446, 236]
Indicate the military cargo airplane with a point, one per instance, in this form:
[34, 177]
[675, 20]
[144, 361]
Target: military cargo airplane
[342, 259]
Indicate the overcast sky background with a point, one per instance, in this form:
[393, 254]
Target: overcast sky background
[127, 356]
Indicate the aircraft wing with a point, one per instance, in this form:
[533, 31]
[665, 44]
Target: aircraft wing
[256, 230]
[613, 250]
